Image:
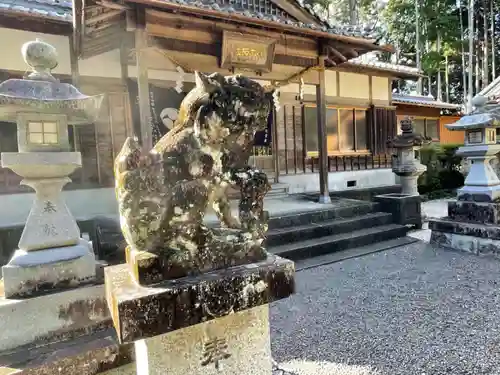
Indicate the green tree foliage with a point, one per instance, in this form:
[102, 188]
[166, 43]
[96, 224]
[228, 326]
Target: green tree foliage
[440, 34]
[440, 17]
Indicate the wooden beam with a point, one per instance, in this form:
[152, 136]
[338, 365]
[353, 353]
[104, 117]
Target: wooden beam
[351, 53]
[324, 196]
[177, 26]
[73, 59]
[105, 27]
[330, 62]
[281, 27]
[111, 5]
[141, 45]
[36, 24]
[124, 57]
[103, 17]
[130, 23]
[214, 50]
[77, 26]
[336, 53]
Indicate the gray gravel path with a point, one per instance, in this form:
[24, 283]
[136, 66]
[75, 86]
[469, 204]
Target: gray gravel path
[412, 310]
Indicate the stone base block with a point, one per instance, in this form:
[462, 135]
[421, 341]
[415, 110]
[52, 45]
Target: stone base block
[486, 194]
[36, 272]
[474, 212]
[472, 238]
[149, 268]
[235, 344]
[405, 209]
[446, 225]
[96, 353]
[141, 312]
[59, 316]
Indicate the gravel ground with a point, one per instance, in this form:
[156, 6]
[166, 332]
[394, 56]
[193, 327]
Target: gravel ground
[411, 310]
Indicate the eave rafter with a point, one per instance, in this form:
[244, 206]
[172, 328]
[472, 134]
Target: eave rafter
[337, 53]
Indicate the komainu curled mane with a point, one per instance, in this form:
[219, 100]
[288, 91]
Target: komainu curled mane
[163, 195]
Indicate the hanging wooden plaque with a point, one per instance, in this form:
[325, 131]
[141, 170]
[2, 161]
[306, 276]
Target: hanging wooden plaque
[249, 52]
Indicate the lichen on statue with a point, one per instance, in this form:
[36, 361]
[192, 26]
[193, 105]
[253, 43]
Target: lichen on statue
[163, 194]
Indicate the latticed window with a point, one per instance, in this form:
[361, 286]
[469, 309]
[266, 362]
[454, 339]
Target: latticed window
[43, 132]
[346, 130]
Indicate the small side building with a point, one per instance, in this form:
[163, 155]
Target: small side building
[429, 116]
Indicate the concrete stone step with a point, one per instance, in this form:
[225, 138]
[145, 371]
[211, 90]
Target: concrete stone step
[356, 252]
[338, 242]
[277, 237]
[344, 209]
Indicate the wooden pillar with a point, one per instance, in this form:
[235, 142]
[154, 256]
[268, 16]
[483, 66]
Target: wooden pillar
[276, 157]
[324, 196]
[73, 59]
[124, 50]
[141, 45]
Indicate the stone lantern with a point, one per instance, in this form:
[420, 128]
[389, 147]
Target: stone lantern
[406, 206]
[406, 161]
[473, 218]
[51, 253]
[480, 148]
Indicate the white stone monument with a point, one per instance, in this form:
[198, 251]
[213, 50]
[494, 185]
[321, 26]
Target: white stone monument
[51, 254]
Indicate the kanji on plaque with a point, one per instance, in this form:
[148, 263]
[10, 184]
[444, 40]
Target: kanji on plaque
[214, 352]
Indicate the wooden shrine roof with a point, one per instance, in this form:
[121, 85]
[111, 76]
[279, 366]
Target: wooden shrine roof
[44, 16]
[103, 19]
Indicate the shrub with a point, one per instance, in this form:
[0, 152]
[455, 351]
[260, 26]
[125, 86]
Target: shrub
[443, 168]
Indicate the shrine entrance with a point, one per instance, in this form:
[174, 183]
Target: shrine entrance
[274, 42]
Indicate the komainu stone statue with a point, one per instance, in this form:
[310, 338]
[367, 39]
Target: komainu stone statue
[163, 194]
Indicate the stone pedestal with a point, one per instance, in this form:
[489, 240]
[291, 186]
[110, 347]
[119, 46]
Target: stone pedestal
[470, 226]
[59, 326]
[51, 254]
[473, 219]
[49, 224]
[68, 332]
[405, 209]
[235, 344]
[216, 322]
[409, 185]
[34, 272]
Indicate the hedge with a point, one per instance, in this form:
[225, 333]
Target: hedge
[443, 169]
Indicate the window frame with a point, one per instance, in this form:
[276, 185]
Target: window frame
[425, 118]
[339, 152]
[23, 121]
[43, 133]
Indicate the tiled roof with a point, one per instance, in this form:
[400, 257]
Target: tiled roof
[62, 10]
[55, 9]
[492, 90]
[372, 62]
[363, 31]
[422, 101]
[327, 26]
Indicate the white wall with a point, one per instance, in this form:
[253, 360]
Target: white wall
[337, 181]
[104, 65]
[12, 40]
[88, 203]
[83, 204]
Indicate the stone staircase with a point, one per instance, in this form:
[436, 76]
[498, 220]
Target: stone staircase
[348, 224]
[277, 191]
